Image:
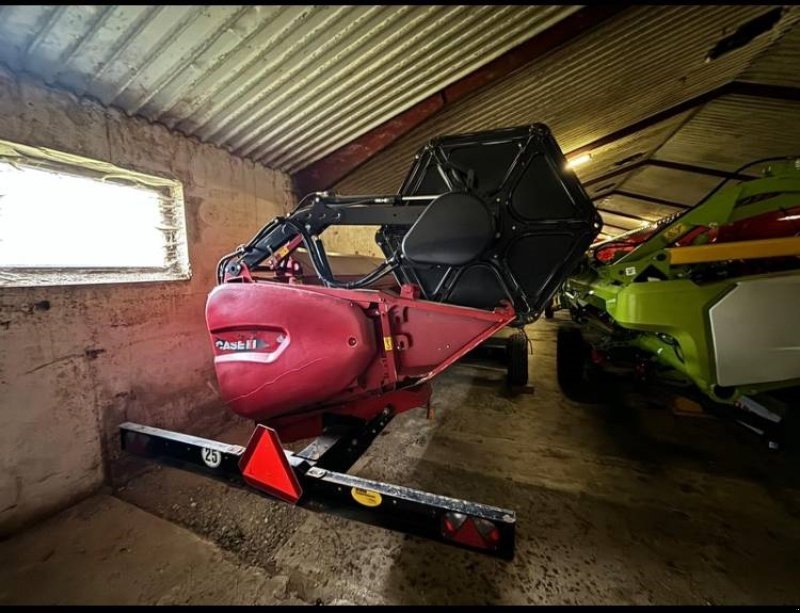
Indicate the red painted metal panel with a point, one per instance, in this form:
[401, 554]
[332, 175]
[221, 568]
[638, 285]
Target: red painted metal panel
[278, 348]
[284, 350]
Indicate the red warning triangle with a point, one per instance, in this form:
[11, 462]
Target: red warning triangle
[264, 466]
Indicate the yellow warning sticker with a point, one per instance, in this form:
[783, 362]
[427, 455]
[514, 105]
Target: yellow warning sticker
[366, 497]
[387, 343]
[673, 233]
[283, 251]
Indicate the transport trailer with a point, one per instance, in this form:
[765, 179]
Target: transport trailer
[316, 479]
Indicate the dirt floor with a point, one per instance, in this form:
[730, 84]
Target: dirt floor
[618, 503]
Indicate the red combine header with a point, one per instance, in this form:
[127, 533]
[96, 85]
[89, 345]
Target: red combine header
[483, 230]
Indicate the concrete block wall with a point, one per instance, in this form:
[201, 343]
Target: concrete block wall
[75, 361]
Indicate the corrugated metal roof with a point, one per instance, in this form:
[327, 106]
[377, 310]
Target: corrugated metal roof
[623, 153]
[780, 64]
[605, 187]
[733, 130]
[280, 84]
[631, 206]
[627, 151]
[637, 64]
[619, 223]
[675, 185]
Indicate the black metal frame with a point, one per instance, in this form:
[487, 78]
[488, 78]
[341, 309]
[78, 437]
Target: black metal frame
[312, 216]
[531, 142]
[321, 470]
[396, 213]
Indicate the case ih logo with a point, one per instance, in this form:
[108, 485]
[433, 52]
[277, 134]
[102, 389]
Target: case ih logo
[251, 344]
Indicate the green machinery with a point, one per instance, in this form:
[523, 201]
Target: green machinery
[708, 299]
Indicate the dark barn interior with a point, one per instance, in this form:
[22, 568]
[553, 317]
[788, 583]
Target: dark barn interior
[141, 144]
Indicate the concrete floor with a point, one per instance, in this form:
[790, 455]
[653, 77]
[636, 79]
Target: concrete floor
[622, 503]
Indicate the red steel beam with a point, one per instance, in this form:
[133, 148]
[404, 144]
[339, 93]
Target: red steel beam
[335, 166]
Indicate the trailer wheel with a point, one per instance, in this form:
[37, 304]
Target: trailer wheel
[517, 360]
[578, 377]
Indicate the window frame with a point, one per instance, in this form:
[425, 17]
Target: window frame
[176, 266]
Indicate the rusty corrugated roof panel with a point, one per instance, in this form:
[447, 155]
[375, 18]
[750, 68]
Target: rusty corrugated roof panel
[633, 66]
[280, 84]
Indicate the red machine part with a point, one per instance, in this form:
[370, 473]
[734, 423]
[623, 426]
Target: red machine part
[308, 424]
[279, 347]
[286, 354]
[774, 224]
[610, 251]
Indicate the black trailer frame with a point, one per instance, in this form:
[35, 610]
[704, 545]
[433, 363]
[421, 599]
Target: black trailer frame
[321, 468]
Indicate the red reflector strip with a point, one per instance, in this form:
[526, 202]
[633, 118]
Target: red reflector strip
[471, 531]
[264, 466]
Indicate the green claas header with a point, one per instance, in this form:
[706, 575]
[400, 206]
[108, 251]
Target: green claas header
[707, 298]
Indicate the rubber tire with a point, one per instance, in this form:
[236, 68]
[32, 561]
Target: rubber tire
[578, 377]
[517, 360]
